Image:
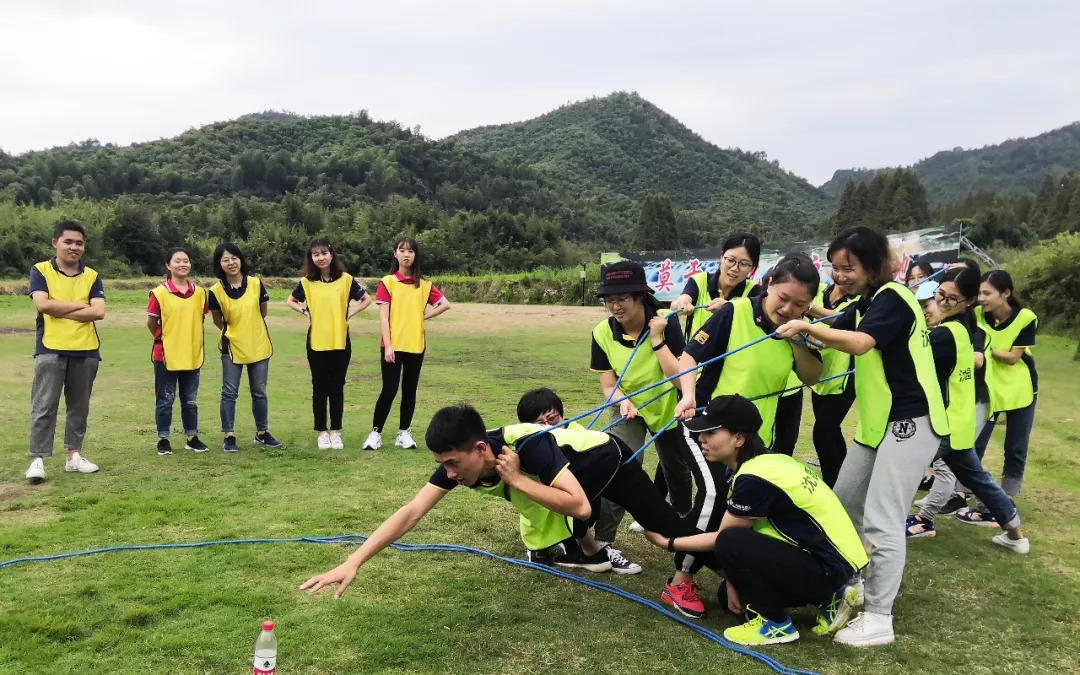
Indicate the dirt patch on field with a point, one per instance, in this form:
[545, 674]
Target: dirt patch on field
[510, 317]
[9, 492]
[15, 330]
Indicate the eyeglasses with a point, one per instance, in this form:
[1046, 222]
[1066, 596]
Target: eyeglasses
[624, 299]
[741, 265]
[950, 300]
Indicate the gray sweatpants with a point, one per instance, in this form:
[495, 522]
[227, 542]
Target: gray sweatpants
[876, 486]
[73, 376]
[672, 453]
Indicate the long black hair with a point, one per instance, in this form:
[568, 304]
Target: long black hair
[967, 282]
[746, 240]
[752, 447]
[1002, 281]
[313, 273]
[926, 268]
[222, 249]
[796, 267]
[870, 247]
[410, 244]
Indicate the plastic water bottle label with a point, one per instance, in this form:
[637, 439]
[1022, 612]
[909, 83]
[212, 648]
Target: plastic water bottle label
[265, 665]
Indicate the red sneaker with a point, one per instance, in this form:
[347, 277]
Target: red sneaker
[684, 598]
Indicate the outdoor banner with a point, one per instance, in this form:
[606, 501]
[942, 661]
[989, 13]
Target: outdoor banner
[667, 271]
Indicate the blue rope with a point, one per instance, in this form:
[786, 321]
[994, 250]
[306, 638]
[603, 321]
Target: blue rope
[356, 539]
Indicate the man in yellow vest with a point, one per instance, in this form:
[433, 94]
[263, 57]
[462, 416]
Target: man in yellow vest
[69, 298]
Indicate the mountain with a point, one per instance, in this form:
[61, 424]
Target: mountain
[607, 154]
[1014, 167]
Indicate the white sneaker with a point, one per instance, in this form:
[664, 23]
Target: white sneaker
[79, 465]
[919, 503]
[335, 441]
[374, 440]
[636, 527]
[324, 440]
[1021, 546]
[867, 630]
[404, 440]
[36, 473]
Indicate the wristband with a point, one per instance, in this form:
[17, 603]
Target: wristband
[671, 544]
[658, 347]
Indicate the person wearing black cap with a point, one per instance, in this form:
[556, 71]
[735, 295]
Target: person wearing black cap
[635, 317]
[785, 540]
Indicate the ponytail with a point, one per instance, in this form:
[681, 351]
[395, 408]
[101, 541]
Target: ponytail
[1002, 281]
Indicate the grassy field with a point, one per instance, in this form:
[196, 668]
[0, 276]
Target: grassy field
[966, 606]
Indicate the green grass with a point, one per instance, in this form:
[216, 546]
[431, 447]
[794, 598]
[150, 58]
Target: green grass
[966, 606]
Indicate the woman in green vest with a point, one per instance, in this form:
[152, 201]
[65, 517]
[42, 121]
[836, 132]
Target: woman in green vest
[175, 315]
[739, 257]
[633, 311]
[901, 414]
[238, 305]
[832, 399]
[784, 541]
[947, 310]
[757, 372]
[1010, 372]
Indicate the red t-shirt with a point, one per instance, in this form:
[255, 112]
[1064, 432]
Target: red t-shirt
[382, 296]
[154, 309]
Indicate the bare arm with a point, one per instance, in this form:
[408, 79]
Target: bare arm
[807, 367]
[688, 387]
[669, 363]
[683, 304]
[153, 323]
[219, 319]
[392, 529]
[442, 307]
[564, 496]
[55, 308]
[358, 306]
[1008, 357]
[980, 360]
[705, 541]
[847, 341]
[262, 309]
[95, 311]
[295, 304]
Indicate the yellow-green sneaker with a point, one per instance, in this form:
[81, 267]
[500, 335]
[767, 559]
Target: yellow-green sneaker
[834, 613]
[761, 631]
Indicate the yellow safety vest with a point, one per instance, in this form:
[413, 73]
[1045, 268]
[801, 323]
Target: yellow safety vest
[1011, 387]
[181, 328]
[68, 335]
[407, 306]
[245, 327]
[328, 305]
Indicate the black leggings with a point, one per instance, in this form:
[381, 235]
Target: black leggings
[788, 420]
[770, 575]
[710, 502]
[406, 368]
[829, 442]
[328, 370]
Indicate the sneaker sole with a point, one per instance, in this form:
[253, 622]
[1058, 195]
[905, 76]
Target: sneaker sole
[164, 454]
[627, 570]
[261, 444]
[589, 567]
[36, 480]
[67, 470]
[922, 535]
[764, 643]
[196, 450]
[876, 641]
[689, 613]
[979, 523]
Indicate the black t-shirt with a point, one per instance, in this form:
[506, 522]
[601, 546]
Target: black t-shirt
[1026, 338]
[673, 338]
[943, 346]
[978, 342]
[713, 286]
[754, 497]
[890, 321]
[541, 456]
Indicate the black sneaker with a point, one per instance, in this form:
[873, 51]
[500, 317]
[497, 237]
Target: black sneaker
[541, 557]
[164, 447]
[267, 441]
[575, 557]
[620, 564]
[195, 445]
[955, 503]
[927, 483]
[228, 445]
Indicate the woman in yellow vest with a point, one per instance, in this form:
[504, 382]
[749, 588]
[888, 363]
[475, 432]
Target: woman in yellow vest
[946, 308]
[1010, 372]
[784, 540]
[324, 295]
[238, 304]
[739, 257]
[901, 414]
[406, 302]
[760, 372]
[175, 315]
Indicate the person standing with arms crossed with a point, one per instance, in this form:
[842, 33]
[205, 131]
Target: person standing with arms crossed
[404, 299]
[69, 298]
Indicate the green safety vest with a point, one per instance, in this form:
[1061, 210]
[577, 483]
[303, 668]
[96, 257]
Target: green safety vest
[833, 361]
[698, 317]
[644, 370]
[872, 393]
[809, 493]
[1010, 386]
[539, 526]
[757, 371]
[960, 407]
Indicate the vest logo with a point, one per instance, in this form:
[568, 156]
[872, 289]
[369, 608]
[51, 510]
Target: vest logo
[701, 337]
[926, 338]
[903, 429]
[965, 374]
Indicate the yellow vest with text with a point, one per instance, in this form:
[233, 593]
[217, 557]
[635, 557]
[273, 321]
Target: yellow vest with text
[644, 370]
[811, 495]
[68, 335]
[328, 305]
[698, 317]
[833, 361]
[960, 407]
[1010, 386]
[539, 526]
[872, 393]
[407, 306]
[757, 371]
[245, 327]
[181, 328]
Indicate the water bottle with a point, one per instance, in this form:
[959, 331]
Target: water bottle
[266, 651]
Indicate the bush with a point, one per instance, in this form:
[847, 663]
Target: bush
[1047, 276]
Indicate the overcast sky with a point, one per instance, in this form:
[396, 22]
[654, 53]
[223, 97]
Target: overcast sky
[817, 85]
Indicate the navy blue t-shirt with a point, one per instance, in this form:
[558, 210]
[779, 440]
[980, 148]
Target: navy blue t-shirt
[235, 294]
[673, 338]
[39, 285]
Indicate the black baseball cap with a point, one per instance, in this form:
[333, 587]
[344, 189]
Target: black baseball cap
[624, 276]
[732, 412]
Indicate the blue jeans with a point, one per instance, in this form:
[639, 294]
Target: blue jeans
[1017, 431]
[230, 387]
[165, 385]
[967, 467]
